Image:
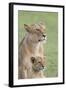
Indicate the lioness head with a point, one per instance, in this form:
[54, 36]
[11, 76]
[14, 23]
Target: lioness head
[37, 32]
[37, 63]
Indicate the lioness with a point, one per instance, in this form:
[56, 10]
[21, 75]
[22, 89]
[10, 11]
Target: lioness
[30, 46]
[38, 64]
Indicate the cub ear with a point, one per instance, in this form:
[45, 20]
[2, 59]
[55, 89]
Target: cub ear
[32, 59]
[27, 27]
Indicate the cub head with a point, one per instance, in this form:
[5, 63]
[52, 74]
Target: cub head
[37, 63]
[36, 32]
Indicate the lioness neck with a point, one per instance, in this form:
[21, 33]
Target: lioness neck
[33, 47]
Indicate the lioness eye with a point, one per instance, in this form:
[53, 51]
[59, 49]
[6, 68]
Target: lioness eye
[37, 29]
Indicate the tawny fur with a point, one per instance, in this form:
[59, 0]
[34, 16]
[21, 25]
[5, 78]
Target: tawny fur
[38, 64]
[31, 46]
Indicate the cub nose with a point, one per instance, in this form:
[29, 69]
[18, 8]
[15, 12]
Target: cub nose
[43, 66]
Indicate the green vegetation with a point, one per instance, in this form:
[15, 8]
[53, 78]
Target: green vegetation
[51, 47]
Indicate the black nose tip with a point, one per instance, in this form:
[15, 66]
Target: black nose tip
[43, 66]
[44, 35]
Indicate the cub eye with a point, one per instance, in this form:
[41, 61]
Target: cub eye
[39, 62]
[32, 59]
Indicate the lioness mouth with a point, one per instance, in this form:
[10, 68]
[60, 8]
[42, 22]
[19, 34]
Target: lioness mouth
[42, 39]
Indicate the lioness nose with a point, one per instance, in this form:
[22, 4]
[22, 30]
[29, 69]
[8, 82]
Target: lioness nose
[44, 35]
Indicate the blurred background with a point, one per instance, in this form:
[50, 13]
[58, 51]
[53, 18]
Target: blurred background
[51, 47]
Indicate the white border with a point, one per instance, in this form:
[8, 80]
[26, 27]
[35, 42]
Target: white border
[60, 45]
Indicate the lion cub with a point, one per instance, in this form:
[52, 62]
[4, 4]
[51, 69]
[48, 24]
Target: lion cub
[30, 46]
[38, 65]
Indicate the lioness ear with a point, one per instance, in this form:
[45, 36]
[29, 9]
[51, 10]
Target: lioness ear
[32, 59]
[27, 27]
